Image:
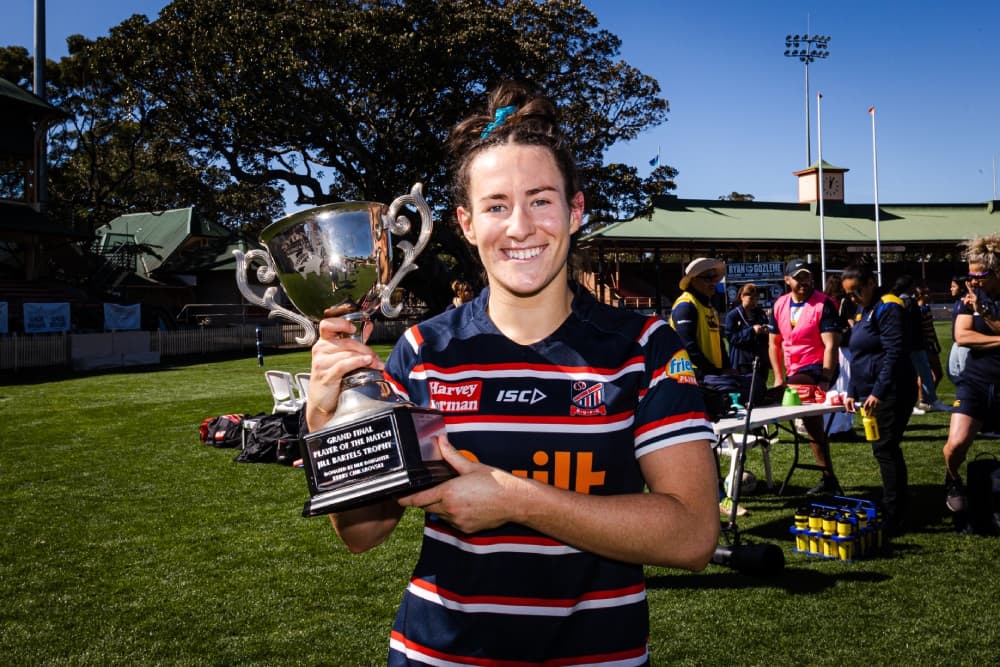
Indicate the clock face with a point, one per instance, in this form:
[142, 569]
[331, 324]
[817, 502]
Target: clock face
[833, 186]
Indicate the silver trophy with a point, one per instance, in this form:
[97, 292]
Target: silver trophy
[340, 255]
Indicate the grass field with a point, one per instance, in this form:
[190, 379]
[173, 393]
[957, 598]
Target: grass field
[125, 542]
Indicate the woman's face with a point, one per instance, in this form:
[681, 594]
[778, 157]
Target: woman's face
[749, 300]
[519, 220]
[860, 292]
[955, 289]
[983, 278]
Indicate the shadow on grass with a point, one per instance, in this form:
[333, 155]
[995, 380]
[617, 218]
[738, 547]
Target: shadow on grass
[926, 512]
[797, 581]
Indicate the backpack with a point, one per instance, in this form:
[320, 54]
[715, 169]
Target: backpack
[983, 494]
[222, 431]
[274, 439]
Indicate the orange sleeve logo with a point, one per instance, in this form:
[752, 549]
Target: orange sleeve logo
[680, 368]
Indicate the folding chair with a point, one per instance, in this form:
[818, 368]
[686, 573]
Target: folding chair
[302, 383]
[282, 387]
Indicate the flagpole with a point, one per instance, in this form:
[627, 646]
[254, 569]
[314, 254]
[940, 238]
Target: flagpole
[878, 236]
[819, 186]
[994, 178]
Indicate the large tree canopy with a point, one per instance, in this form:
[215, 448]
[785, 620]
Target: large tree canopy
[226, 104]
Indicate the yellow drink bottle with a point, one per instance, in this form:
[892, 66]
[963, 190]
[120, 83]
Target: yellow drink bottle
[871, 426]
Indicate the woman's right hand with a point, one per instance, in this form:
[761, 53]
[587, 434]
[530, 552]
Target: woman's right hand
[334, 355]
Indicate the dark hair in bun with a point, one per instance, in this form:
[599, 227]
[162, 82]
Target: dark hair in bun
[515, 114]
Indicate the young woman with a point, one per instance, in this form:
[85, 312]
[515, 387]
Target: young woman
[977, 327]
[746, 331]
[883, 381]
[534, 552]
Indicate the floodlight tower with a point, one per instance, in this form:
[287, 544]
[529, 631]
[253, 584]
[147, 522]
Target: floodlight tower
[807, 48]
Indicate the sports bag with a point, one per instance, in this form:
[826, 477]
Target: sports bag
[275, 439]
[983, 495]
[222, 431]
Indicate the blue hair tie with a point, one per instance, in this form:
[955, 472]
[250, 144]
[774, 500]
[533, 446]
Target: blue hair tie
[498, 118]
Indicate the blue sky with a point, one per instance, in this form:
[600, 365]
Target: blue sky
[737, 119]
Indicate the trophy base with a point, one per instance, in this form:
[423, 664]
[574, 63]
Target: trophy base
[390, 452]
[402, 482]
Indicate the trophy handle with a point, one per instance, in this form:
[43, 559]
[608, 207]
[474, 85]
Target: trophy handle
[400, 224]
[266, 274]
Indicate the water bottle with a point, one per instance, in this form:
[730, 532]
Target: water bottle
[871, 426]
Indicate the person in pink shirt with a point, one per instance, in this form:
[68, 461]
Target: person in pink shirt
[804, 342]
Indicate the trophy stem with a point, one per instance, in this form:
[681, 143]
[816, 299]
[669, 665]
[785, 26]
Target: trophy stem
[362, 391]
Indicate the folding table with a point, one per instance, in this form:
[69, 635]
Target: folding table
[730, 434]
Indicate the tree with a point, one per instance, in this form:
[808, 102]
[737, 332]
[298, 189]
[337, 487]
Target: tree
[337, 99]
[736, 196]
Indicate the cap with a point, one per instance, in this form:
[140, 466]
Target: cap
[699, 266]
[796, 266]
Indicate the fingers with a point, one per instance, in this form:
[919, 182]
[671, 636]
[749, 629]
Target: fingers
[341, 310]
[423, 499]
[335, 327]
[455, 458]
[335, 354]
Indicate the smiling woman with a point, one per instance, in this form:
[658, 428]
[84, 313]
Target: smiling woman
[570, 411]
[977, 327]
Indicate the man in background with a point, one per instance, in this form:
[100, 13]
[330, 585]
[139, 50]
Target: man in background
[804, 342]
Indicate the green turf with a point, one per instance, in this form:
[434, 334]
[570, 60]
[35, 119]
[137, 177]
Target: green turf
[125, 541]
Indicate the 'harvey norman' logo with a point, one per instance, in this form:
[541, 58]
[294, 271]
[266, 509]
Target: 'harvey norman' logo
[455, 397]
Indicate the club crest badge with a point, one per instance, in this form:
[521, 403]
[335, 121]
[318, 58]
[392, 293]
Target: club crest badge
[587, 399]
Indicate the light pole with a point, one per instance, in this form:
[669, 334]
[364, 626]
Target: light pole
[807, 48]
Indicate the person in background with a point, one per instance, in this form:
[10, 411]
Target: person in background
[746, 332]
[933, 346]
[840, 426]
[977, 327]
[905, 289]
[696, 320]
[957, 354]
[463, 293]
[883, 382]
[804, 343]
[582, 451]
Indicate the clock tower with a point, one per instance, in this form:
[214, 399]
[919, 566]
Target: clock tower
[833, 183]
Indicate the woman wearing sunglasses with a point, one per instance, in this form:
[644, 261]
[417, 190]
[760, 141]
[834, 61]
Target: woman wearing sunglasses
[977, 327]
[883, 381]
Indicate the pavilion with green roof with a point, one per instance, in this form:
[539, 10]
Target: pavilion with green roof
[643, 258]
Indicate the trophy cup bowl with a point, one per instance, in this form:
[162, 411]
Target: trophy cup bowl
[376, 445]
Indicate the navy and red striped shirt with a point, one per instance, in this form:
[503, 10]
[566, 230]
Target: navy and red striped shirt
[575, 410]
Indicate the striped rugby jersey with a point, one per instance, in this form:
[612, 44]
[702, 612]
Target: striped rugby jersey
[576, 410]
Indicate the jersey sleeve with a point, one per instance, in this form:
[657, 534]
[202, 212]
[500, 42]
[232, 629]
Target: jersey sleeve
[829, 321]
[891, 320]
[772, 324]
[403, 361]
[670, 410]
